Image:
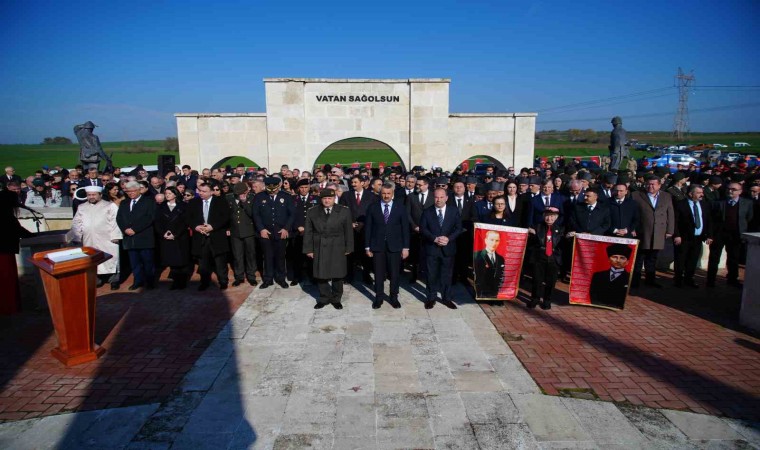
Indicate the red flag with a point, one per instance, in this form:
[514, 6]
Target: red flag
[368, 165]
[466, 166]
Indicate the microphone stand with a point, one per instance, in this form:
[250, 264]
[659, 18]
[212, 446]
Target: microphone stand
[36, 216]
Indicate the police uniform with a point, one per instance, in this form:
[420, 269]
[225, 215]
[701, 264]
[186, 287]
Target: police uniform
[274, 213]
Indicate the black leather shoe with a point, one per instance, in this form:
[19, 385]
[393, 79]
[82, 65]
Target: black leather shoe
[546, 305]
[99, 283]
[691, 284]
[222, 286]
[237, 283]
[253, 282]
[533, 303]
[653, 284]
[294, 283]
[449, 304]
[734, 283]
[265, 285]
[393, 301]
[135, 287]
[203, 287]
[114, 286]
[430, 304]
[412, 279]
[367, 279]
[377, 304]
[283, 284]
[337, 305]
[320, 305]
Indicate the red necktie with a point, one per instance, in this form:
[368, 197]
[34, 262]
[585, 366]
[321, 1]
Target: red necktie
[548, 242]
[358, 199]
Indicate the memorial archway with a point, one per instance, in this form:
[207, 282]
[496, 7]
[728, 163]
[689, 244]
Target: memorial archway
[359, 152]
[479, 161]
[234, 161]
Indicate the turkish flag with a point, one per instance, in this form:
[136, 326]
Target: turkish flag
[478, 161]
[368, 165]
[466, 165]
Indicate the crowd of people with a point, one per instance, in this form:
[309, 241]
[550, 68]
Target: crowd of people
[326, 226]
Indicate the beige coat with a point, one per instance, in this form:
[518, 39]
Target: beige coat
[94, 225]
[656, 222]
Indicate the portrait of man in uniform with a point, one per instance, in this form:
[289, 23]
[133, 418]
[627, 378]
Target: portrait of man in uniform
[609, 287]
[489, 267]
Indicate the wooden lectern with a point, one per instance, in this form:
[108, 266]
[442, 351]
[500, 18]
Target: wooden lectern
[70, 287]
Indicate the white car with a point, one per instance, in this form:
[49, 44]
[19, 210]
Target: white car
[741, 144]
[732, 157]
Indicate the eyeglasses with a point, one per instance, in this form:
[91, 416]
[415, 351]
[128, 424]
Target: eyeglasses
[216, 189]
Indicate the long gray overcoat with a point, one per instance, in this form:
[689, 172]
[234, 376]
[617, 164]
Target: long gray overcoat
[329, 238]
[655, 223]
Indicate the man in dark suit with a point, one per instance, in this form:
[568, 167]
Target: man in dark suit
[387, 242]
[624, 213]
[273, 214]
[693, 226]
[754, 196]
[439, 228]
[489, 267]
[135, 219]
[464, 205]
[481, 209]
[606, 189]
[10, 175]
[415, 204]
[92, 178]
[731, 218]
[610, 287]
[304, 202]
[547, 198]
[524, 201]
[357, 200]
[242, 236]
[189, 177]
[545, 243]
[591, 217]
[209, 218]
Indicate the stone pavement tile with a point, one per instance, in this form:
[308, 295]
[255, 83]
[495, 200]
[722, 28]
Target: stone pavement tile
[700, 426]
[239, 377]
[357, 350]
[401, 406]
[513, 376]
[390, 333]
[356, 416]
[360, 329]
[655, 427]
[548, 418]
[263, 410]
[750, 430]
[459, 442]
[317, 377]
[447, 414]
[204, 373]
[511, 435]
[402, 421]
[355, 443]
[218, 412]
[310, 414]
[490, 407]
[202, 441]
[220, 347]
[465, 357]
[145, 445]
[289, 352]
[266, 333]
[434, 374]
[303, 440]
[357, 379]
[393, 358]
[605, 423]
[401, 382]
[481, 381]
[112, 428]
[254, 438]
[568, 445]
[165, 423]
[453, 330]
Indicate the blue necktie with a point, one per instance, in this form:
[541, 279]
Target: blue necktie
[440, 218]
[386, 213]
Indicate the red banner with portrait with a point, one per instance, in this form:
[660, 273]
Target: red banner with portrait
[602, 270]
[498, 253]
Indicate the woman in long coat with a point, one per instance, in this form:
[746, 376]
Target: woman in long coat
[174, 240]
[328, 238]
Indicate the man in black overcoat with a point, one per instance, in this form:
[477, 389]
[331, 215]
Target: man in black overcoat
[209, 218]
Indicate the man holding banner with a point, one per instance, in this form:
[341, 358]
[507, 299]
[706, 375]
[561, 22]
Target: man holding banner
[546, 242]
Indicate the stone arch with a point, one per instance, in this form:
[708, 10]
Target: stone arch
[472, 160]
[234, 161]
[359, 150]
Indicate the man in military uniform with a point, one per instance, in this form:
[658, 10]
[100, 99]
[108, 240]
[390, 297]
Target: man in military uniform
[274, 214]
[304, 202]
[328, 239]
[677, 188]
[242, 236]
[91, 152]
[618, 151]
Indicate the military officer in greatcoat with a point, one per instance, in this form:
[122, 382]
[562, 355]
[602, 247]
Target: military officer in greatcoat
[304, 201]
[242, 235]
[328, 239]
[274, 214]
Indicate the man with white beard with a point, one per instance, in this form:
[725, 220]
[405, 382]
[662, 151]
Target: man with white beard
[94, 225]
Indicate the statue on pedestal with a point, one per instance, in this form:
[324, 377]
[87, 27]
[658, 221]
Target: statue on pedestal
[618, 138]
[91, 152]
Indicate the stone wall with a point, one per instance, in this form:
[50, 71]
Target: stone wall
[205, 139]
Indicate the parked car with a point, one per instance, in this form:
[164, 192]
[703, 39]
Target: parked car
[741, 144]
[720, 146]
[713, 154]
[697, 154]
[588, 164]
[732, 157]
[673, 160]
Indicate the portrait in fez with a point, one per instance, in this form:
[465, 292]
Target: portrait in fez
[489, 266]
[609, 287]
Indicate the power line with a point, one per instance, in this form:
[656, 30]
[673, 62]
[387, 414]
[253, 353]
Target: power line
[611, 104]
[602, 100]
[681, 121]
[659, 114]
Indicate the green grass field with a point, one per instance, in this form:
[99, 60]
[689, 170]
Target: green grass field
[28, 158]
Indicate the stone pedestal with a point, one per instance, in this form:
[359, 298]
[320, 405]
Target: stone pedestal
[750, 312]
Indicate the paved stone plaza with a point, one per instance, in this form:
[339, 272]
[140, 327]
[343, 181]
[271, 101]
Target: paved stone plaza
[282, 375]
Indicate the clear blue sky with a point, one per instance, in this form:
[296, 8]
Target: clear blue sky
[129, 66]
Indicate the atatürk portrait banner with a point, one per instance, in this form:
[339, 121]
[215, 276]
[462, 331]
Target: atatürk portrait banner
[601, 271]
[497, 260]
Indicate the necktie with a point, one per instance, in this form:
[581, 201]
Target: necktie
[620, 202]
[492, 258]
[358, 199]
[697, 219]
[549, 242]
[440, 217]
[489, 205]
[546, 201]
[459, 204]
[422, 199]
[590, 208]
[132, 205]
[732, 202]
[303, 199]
[205, 211]
[386, 213]
[327, 211]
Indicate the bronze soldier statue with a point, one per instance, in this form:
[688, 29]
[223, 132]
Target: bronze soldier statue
[91, 152]
[618, 150]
